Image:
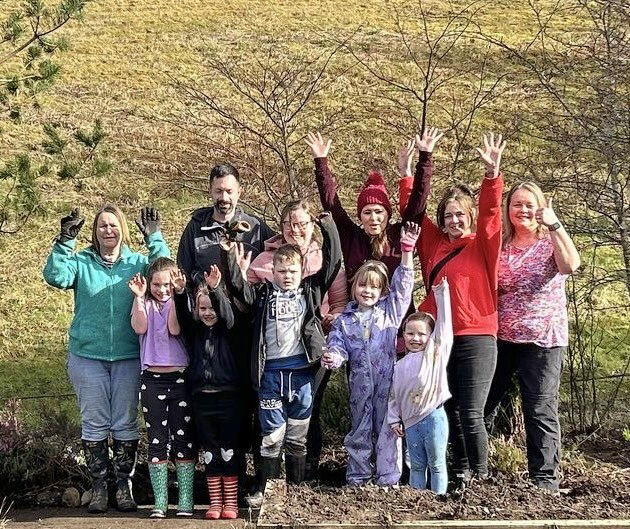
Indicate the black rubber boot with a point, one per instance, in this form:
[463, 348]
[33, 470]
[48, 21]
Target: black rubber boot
[124, 466]
[269, 469]
[296, 468]
[96, 458]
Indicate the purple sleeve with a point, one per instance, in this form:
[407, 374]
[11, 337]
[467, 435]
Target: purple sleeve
[399, 298]
[336, 343]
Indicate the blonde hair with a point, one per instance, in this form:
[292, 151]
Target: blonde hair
[464, 197]
[124, 229]
[373, 273]
[508, 228]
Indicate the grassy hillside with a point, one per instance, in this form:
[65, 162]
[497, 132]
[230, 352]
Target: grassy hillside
[121, 67]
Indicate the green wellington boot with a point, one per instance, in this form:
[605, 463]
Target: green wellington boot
[185, 479]
[158, 472]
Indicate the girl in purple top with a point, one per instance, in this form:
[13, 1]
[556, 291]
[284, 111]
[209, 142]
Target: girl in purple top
[420, 388]
[536, 257]
[364, 335]
[162, 391]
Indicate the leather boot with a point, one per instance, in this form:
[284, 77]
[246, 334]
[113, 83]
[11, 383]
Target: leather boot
[124, 466]
[296, 467]
[96, 458]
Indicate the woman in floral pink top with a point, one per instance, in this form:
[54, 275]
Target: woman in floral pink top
[536, 258]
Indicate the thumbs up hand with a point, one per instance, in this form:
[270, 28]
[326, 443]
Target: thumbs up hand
[546, 215]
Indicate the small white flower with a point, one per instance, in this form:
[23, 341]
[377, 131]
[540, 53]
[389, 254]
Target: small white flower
[180, 432]
[161, 397]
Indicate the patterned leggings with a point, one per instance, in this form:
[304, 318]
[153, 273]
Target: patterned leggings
[166, 410]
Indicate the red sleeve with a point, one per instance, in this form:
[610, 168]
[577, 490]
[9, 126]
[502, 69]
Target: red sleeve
[430, 237]
[327, 188]
[489, 224]
[416, 203]
[405, 185]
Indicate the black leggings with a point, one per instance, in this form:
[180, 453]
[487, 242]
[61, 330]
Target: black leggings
[470, 370]
[167, 409]
[218, 419]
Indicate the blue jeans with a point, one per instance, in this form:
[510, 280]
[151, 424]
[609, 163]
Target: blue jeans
[107, 393]
[426, 442]
[286, 402]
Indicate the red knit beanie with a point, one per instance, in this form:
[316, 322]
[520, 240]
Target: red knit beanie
[374, 192]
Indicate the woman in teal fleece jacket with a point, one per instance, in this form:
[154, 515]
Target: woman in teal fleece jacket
[104, 351]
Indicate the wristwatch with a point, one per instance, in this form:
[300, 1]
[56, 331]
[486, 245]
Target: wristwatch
[555, 226]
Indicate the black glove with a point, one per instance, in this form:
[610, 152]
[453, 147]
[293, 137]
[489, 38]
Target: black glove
[70, 226]
[149, 222]
[235, 227]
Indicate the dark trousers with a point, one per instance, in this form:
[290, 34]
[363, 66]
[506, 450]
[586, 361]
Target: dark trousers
[314, 436]
[218, 419]
[167, 414]
[539, 370]
[470, 370]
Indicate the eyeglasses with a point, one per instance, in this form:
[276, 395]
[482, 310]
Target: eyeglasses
[296, 225]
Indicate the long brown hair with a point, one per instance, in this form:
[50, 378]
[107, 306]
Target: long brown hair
[120, 216]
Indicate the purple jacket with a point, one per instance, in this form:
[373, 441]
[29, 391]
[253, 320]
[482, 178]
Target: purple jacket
[346, 341]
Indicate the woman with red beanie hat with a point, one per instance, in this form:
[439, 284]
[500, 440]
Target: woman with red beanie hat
[375, 237]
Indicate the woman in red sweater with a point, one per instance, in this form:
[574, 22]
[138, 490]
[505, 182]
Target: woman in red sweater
[469, 260]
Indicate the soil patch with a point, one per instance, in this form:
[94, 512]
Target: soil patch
[602, 496]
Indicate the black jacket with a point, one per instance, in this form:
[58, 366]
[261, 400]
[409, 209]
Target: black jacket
[199, 245]
[213, 364]
[314, 287]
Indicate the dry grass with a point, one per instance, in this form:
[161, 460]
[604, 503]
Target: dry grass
[118, 69]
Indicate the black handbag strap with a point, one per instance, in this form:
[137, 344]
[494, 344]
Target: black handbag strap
[439, 266]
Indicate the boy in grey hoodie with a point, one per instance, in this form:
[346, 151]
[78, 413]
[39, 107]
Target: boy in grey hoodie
[288, 339]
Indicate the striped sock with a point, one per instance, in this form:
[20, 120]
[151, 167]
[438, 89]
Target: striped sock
[230, 491]
[216, 497]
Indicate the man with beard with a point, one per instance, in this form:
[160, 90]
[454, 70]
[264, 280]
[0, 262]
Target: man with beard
[199, 248]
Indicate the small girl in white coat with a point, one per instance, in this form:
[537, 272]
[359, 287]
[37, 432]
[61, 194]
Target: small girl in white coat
[419, 390]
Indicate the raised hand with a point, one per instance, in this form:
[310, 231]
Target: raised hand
[213, 277]
[409, 234]
[149, 222]
[243, 259]
[491, 155]
[318, 145]
[70, 226]
[546, 215]
[429, 139]
[138, 285]
[398, 430]
[404, 158]
[178, 281]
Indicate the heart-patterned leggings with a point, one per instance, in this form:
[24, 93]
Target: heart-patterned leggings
[167, 414]
[218, 416]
